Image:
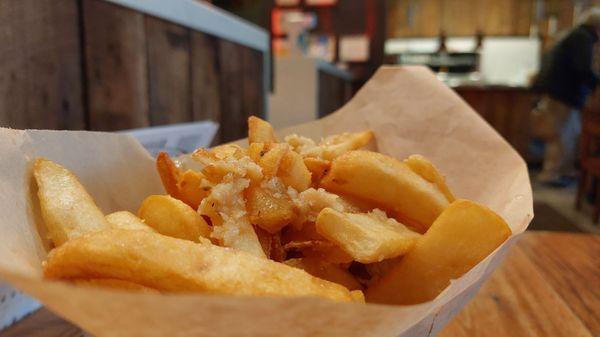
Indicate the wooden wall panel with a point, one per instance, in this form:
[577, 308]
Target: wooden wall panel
[90, 64]
[410, 18]
[332, 93]
[461, 17]
[40, 66]
[512, 120]
[523, 16]
[233, 123]
[116, 68]
[206, 102]
[169, 72]
[425, 18]
[252, 87]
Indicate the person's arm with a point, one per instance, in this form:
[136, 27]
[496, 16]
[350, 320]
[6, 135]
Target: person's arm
[582, 56]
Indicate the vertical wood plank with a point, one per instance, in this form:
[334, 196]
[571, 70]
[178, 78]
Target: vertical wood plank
[252, 88]
[169, 72]
[205, 79]
[332, 93]
[523, 16]
[40, 65]
[459, 17]
[233, 123]
[115, 49]
[425, 18]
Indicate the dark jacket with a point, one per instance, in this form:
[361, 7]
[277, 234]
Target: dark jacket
[566, 73]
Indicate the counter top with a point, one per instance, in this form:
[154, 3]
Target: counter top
[546, 286]
[475, 81]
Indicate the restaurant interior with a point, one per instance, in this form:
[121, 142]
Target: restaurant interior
[180, 74]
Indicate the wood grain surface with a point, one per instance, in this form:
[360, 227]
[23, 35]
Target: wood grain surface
[116, 69]
[206, 103]
[547, 286]
[233, 123]
[169, 72]
[94, 65]
[40, 65]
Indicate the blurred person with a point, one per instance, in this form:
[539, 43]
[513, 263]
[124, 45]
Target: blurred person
[568, 75]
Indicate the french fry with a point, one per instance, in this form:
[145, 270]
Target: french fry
[330, 147]
[318, 168]
[311, 201]
[172, 217]
[256, 151]
[111, 283]
[336, 145]
[423, 167]
[67, 208]
[224, 160]
[169, 174]
[271, 158]
[388, 182]
[293, 172]
[463, 235]
[312, 244]
[326, 271]
[368, 237]
[226, 208]
[174, 265]
[189, 186]
[271, 244]
[269, 208]
[260, 131]
[126, 220]
[192, 188]
[228, 151]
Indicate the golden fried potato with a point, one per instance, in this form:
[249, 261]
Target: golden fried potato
[269, 208]
[463, 235]
[312, 244]
[256, 151]
[228, 151]
[112, 283]
[423, 167]
[226, 159]
[271, 158]
[192, 188]
[271, 244]
[169, 174]
[368, 237]
[311, 202]
[336, 145]
[388, 182]
[293, 172]
[173, 217]
[126, 220]
[67, 209]
[326, 271]
[357, 296]
[330, 147]
[226, 208]
[260, 131]
[318, 168]
[174, 265]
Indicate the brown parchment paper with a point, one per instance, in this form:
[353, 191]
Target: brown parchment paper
[409, 110]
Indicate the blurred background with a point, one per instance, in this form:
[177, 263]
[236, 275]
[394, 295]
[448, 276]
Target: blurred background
[202, 67]
[178, 74]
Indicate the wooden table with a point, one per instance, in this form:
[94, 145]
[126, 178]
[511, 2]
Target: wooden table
[549, 285]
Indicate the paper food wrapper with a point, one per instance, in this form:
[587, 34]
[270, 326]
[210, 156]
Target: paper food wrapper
[410, 112]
